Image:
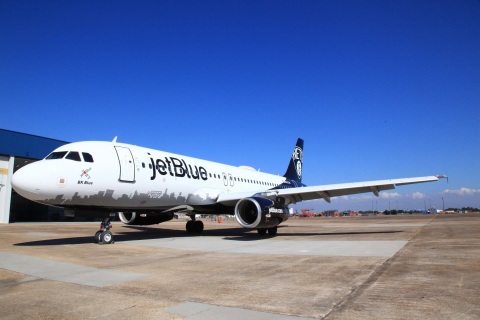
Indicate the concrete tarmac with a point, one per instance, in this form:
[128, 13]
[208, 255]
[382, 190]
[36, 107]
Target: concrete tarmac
[401, 267]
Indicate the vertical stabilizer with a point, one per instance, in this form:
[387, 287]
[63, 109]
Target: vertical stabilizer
[295, 167]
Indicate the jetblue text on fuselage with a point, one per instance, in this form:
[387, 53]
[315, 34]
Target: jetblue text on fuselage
[177, 168]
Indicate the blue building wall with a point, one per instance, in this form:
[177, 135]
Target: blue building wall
[25, 148]
[26, 145]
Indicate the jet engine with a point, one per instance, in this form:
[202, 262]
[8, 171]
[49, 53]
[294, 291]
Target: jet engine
[256, 212]
[143, 219]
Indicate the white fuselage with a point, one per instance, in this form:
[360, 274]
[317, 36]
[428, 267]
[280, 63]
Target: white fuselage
[124, 176]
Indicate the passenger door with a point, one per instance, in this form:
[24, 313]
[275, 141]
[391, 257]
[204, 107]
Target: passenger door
[127, 164]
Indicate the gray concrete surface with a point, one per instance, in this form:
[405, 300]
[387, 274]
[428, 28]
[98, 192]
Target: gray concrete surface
[65, 272]
[328, 248]
[431, 270]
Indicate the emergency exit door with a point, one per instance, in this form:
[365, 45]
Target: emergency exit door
[127, 165]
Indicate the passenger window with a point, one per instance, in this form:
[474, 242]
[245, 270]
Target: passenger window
[56, 155]
[73, 155]
[87, 157]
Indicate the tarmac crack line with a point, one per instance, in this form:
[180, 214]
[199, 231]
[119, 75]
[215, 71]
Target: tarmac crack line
[376, 274]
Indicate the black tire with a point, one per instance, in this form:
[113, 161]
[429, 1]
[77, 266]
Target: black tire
[97, 236]
[198, 226]
[189, 226]
[262, 232]
[272, 231]
[106, 237]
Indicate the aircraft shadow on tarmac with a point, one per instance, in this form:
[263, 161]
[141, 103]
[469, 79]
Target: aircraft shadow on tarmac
[147, 233]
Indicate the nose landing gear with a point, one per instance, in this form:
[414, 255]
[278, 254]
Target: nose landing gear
[104, 236]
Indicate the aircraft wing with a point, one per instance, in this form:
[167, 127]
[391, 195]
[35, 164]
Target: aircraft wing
[326, 192]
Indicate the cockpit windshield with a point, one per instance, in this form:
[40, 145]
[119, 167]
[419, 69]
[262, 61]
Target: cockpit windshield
[87, 157]
[56, 155]
[72, 155]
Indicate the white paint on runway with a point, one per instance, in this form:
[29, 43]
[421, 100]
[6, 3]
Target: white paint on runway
[280, 247]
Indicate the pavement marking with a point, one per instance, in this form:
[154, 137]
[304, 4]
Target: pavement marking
[202, 311]
[269, 246]
[65, 272]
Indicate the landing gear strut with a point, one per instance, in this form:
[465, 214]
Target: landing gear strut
[104, 236]
[271, 231]
[194, 226]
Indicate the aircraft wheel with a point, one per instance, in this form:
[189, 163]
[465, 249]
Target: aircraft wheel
[190, 226]
[97, 236]
[262, 232]
[272, 231]
[106, 237]
[198, 226]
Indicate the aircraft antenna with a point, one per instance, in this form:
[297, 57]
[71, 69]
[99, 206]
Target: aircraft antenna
[114, 139]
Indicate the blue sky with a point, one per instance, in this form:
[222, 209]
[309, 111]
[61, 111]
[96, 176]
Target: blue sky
[378, 89]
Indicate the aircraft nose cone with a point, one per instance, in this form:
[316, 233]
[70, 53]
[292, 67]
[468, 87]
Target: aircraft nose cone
[23, 183]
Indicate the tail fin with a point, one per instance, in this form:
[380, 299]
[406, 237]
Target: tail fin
[294, 171]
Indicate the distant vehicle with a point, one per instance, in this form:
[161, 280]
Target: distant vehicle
[98, 179]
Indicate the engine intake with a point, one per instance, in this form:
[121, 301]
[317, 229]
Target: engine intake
[256, 212]
[143, 219]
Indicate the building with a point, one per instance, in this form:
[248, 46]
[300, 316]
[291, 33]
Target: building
[16, 150]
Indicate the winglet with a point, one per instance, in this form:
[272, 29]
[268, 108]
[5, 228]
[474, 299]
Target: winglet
[443, 177]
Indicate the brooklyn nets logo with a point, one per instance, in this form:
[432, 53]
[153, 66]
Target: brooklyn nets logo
[297, 158]
[85, 173]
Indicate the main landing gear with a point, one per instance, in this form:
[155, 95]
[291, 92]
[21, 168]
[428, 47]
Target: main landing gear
[194, 226]
[104, 236]
[271, 231]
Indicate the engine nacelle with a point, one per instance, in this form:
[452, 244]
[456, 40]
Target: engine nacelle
[143, 219]
[256, 212]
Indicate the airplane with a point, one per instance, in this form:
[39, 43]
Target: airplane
[100, 179]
